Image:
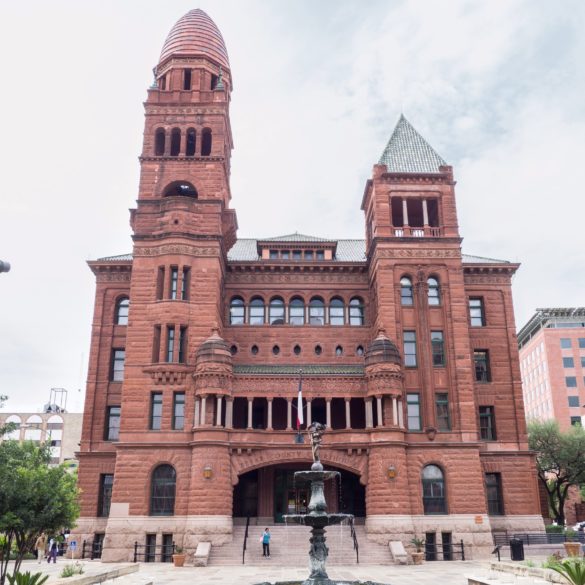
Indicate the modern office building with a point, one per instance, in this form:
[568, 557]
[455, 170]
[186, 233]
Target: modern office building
[407, 348]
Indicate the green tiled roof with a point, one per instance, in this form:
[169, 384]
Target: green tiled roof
[296, 237]
[408, 152]
[308, 370]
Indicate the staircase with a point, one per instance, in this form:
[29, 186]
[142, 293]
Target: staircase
[289, 546]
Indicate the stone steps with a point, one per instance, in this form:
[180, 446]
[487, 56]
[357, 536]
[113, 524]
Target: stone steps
[289, 546]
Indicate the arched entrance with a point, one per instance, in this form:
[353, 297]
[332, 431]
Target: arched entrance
[270, 492]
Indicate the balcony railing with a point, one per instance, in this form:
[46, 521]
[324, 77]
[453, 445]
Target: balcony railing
[417, 232]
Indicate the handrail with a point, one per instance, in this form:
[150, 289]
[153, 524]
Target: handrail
[356, 545]
[245, 540]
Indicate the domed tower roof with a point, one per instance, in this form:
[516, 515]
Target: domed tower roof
[214, 349]
[382, 350]
[196, 34]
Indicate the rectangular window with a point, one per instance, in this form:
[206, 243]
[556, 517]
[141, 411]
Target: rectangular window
[438, 346]
[273, 254]
[583, 362]
[413, 412]
[442, 409]
[187, 79]
[156, 344]
[297, 255]
[167, 548]
[284, 254]
[308, 254]
[565, 343]
[178, 411]
[186, 283]
[582, 342]
[155, 411]
[410, 349]
[320, 255]
[160, 283]
[476, 312]
[571, 381]
[493, 489]
[576, 421]
[182, 344]
[573, 400]
[105, 494]
[568, 362]
[487, 423]
[112, 424]
[481, 361]
[170, 353]
[117, 370]
[174, 284]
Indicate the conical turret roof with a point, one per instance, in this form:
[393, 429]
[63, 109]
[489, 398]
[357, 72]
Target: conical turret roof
[408, 152]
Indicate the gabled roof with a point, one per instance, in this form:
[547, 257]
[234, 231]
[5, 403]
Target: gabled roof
[408, 152]
[296, 237]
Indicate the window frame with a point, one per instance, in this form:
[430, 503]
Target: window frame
[336, 318]
[476, 312]
[487, 422]
[434, 505]
[415, 403]
[486, 376]
[409, 344]
[568, 362]
[433, 292]
[297, 304]
[156, 411]
[122, 311]
[170, 345]
[105, 495]
[495, 505]
[406, 292]
[117, 371]
[276, 311]
[165, 502]
[438, 350]
[112, 427]
[256, 306]
[178, 411]
[357, 312]
[237, 304]
[442, 411]
[317, 312]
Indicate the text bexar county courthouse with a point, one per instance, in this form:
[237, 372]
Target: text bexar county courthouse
[407, 348]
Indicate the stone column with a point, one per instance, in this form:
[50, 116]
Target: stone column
[197, 415]
[250, 400]
[400, 414]
[394, 411]
[425, 213]
[347, 414]
[289, 414]
[328, 404]
[269, 423]
[218, 417]
[379, 409]
[369, 414]
[203, 409]
[404, 212]
[309, 420]
[229, 413]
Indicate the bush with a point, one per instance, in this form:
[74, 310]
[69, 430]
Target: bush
[27, 578]
[72, 569]
[572, 569]
[552, 559]
[554, 529]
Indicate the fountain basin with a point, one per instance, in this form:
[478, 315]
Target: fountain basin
[316, 519]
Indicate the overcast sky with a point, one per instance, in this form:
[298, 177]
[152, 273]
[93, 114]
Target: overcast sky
[496, 87]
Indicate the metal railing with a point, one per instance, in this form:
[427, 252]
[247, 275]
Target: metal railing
[445, 552]
[92, 549]
[356, 545]
[245, 540]
[503, 538]
[148, 553]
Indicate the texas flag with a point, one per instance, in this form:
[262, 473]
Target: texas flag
[300, 404]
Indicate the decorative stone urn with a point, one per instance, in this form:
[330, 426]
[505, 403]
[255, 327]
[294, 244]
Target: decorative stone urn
[573, 549]
[179, 557]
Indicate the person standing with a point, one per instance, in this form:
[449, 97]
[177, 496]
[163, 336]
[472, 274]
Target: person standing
[53, 550]
[266, 543]
[41, 545]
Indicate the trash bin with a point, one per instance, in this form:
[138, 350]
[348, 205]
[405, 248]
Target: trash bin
[516, 549]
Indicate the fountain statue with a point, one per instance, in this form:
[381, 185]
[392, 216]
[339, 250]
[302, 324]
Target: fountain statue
[317, 517]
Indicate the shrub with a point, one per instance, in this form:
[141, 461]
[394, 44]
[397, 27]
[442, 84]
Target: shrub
[27, 578]
[72, 569]
[572, 569]
[554, 529]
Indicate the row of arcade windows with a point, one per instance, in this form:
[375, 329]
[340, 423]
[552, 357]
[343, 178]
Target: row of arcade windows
[307, 255]
[173, 283]
[176, 145]
[163, 488]
[296, 313]
[186, 81]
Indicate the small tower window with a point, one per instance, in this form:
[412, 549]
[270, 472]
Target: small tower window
[175, 142]
[214, 79]
[163, 82]
[182, 188]
[206, 142]
[406, 297]
[159, 142]
[191, 142]
[186, 78]
[434, 292]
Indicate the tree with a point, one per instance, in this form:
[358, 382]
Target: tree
[6, 427]
[34, 498]
[560, 460]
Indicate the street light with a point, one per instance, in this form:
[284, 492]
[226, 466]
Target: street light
[4, 266]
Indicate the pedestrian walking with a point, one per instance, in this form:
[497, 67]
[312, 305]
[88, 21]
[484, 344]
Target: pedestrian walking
[266, 543]
[41, 546]
[53, 550]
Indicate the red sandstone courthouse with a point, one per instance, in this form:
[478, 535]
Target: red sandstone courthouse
[407, 347]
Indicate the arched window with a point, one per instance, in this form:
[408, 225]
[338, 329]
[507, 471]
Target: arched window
[175, 142]
[316, 311]
[433, 485]
[336, 312]
[296, 311]
[191, 142]
[180, 188]
[15, 433]
[33, 428]
[256, 311]
[406, 291]
[434, 291]
[206, 142]
[159, 142]
[162, 491]
[356, 311]
[276, 311]
[122, 307]
[237, 311]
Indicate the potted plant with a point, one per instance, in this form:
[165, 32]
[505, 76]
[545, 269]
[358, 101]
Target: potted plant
[179, 557]
[419, 555]
[572, 548]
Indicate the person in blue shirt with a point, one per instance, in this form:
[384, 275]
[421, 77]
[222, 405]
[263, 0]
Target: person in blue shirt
[266, 543]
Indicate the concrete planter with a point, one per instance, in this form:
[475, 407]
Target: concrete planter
[573, 549]
[179, 559]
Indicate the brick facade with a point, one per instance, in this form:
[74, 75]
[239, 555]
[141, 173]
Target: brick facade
[340, 316]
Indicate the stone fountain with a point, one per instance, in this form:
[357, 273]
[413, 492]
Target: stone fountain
[318, 518]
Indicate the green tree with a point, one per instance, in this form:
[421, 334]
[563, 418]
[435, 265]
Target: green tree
[560, 460]
[34, 498]
[7, 427]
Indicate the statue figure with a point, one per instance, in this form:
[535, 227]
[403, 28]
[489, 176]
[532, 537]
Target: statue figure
[316, 431]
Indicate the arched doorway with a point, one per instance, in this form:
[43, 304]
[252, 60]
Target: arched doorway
[271, 492]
